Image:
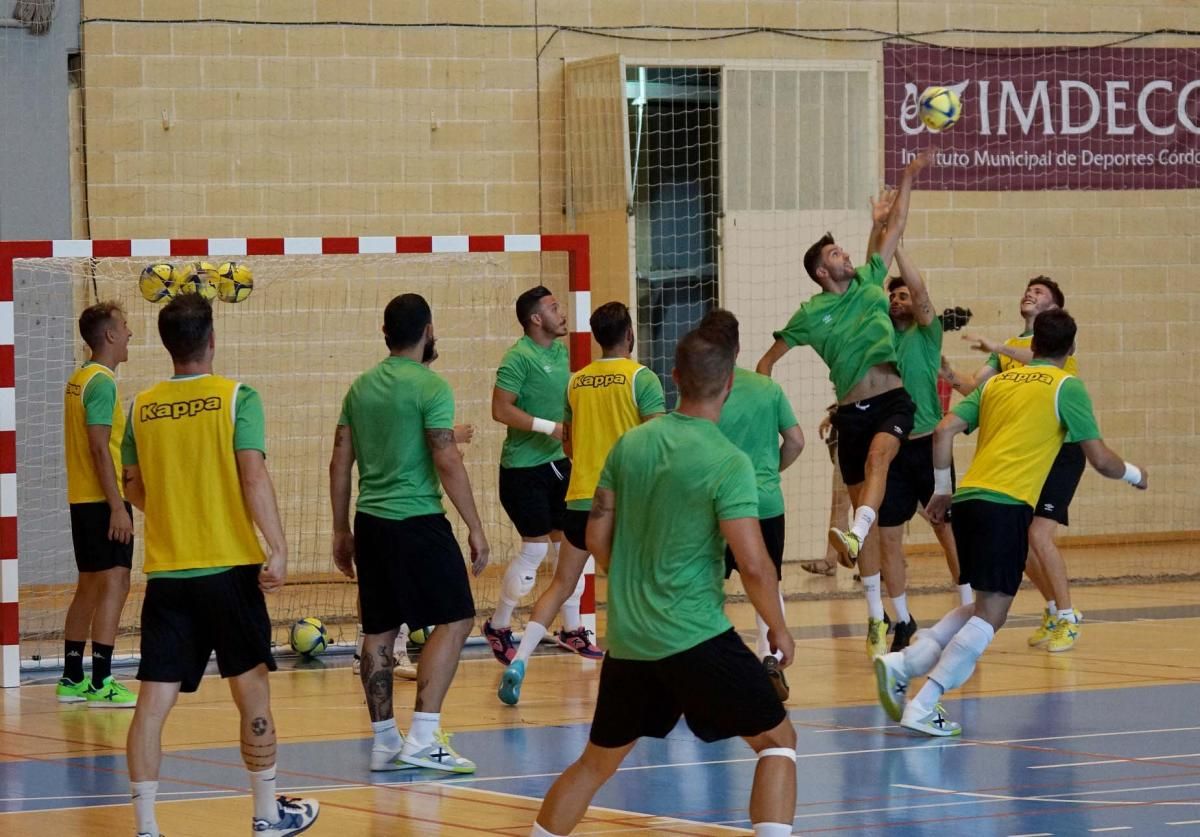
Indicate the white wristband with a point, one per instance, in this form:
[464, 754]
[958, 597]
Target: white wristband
[1133, 474]
[942, 483]
[541, 425]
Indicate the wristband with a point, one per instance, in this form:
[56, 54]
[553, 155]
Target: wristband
[541, 425]
[1133, 474]
[942, 483]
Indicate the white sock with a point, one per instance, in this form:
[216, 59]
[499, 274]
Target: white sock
[570, 608]
[262, 784]
[870, 585]
[519, 579]
[1051, 606]
[538, 831]
[901, 604]
[1068, 615]
[864, 516]
[387, 736]
[958, 660]
[400, 646]
[772, 829]
[143, 794]
[965, 594]
[926, 699]
[951, 624]
[420, 734]
[534, 633]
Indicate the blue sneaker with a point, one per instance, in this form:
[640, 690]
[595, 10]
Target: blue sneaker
[295, 815]
[510, 683]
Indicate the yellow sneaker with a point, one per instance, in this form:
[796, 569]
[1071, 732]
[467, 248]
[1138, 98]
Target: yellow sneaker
[876, 638]
[1064, 636]
[847, 545]
[1042, 635]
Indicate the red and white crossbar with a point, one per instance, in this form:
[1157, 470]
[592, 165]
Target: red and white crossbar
[579, 285]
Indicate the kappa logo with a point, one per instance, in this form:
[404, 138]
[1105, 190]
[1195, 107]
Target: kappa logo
[861, 406]
[598, 381]
[1048, 507]
[899, 432]
[1020, 377]
[74, 389]
[178, 409]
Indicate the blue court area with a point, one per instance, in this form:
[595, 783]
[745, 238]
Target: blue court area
[1047, 764]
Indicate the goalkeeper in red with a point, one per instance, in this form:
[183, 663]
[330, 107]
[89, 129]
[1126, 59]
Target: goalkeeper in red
[848, 325]
[1024, 416]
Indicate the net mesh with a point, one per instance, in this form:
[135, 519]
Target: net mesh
[309, 328]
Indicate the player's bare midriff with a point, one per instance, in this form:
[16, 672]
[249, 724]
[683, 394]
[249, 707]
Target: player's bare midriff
[879, 379]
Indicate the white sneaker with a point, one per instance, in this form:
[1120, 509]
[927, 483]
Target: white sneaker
[383, 760]
[356, 666]
[891, 684]
[439, 756]
[931, 723]
[404, 668]
[295, 815]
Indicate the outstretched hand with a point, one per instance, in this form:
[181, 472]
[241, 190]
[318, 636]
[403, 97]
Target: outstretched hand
[881, 206]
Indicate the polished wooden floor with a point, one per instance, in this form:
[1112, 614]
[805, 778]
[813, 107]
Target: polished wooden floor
[1135, 637]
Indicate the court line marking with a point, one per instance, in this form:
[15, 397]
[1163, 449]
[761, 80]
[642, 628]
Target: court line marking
[1089, 735]
[1185, 822]
[1112, 828]
[1063, 797]
[1115, 761]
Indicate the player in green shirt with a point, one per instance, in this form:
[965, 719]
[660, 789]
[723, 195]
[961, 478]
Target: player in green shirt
[673, 491]
[755, 418]
[529, 398]
[397, 424]
[1024, 415]
[910, 476]
[847, 323]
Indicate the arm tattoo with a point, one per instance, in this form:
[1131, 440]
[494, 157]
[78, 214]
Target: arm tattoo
[439, 438]
[600, 509]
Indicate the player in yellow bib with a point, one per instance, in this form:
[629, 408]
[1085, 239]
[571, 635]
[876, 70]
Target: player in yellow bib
[101, 522]
[604, 399]
[194, 461]
[1047, 569]
[1024, 416]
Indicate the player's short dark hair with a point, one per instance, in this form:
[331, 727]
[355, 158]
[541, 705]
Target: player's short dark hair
[703, 365]
[528, 302]
[1050, 285]
[610, 323]
[95, 320]
[721, 325]
[896, 282]
[404, 321]
[812, 257]
[185, 325]
[1053, 333]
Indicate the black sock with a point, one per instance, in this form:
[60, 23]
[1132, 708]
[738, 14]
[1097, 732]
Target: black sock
[101, 662]
[73, 660]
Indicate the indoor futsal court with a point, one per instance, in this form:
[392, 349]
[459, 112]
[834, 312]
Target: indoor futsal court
[332, 331]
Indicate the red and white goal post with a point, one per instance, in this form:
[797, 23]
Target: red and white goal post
[575, 247]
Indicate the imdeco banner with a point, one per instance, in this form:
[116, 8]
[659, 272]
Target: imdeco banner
[1057, 118]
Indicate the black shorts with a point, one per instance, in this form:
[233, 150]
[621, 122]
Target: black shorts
[574, 527]
[773, 531]
[409, 572]
[1059, 488]
[718, 686]
[535, 498]
[94, 552]
[909, 481]
[889, 412]
[185, 619]
[992, 540]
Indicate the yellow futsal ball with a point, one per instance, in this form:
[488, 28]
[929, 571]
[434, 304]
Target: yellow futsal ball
[309, 637]
[158, 282]
[234, 282]
[420, 636]
[199, 278]
[940, 108]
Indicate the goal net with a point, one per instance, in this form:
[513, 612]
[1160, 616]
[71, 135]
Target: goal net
[311, 325]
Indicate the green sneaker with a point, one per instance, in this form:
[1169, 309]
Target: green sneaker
[111, 695]
[68, 692]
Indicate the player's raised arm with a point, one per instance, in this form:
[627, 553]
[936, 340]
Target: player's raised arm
[898, 217]
[922, 308]
[881, 208]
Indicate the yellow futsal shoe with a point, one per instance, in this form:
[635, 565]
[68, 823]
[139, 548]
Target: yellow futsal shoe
[1064, 636]
[1042, 635]
[876, 638]
[847, 545]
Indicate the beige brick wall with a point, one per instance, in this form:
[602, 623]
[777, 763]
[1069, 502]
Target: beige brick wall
[306, 130]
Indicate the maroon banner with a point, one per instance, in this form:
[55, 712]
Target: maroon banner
[1048, 118]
